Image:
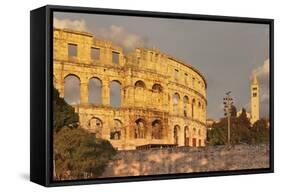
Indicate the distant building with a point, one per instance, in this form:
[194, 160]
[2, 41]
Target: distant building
[254, 115]
[247, 113]
[209, 123]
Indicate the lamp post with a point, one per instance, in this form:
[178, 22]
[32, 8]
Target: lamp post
[228, 102]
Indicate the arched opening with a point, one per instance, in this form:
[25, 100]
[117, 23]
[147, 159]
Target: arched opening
[72, 89]
[194, 137]
[116, 130]
[176, 98]
[115, 93]
[140, 129]
[139, 95]
[157, 94]
[95, 91]
[186, 136]
[176, 134]
[193, 82]
[140, 84]
[95, 126]
[185, 103]
[157, 129]
[157, 88]
[199, 110]
[194, 131]
[192, 108]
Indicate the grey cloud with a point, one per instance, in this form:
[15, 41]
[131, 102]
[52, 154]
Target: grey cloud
[262, 73]
[76, 24]
[119, 35]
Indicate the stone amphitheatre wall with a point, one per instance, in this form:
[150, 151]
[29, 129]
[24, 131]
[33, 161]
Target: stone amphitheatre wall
[131, 99]
[187, 160]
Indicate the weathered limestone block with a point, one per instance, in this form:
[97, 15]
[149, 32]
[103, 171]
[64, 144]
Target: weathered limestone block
[187, 160]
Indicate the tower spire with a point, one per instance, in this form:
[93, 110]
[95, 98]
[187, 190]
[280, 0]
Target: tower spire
[254, 79]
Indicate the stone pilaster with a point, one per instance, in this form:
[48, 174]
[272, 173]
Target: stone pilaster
[105, 93]
[181, 136]
[84, 91]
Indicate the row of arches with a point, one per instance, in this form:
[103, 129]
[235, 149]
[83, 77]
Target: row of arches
[95, 86]
[95, 126]
[176, 99]
[141, 131]
[189, 135]
[117, 131]
[155, 87]
[72, 91]
[183, 105]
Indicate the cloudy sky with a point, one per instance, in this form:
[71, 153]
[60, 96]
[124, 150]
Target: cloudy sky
[226, 53]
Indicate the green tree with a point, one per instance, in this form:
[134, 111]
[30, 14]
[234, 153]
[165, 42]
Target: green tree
[77, 153]
[218, 134]
[63, 114]
[239, 132]
[241, 129]
[243, 119]
[233, 111]
[260, 131]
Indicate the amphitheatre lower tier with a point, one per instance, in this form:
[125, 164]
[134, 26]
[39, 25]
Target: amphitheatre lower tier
[129, 128]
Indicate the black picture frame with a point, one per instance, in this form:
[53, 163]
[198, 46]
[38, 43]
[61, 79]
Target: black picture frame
[41, 54]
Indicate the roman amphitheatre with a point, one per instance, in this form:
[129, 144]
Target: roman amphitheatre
[143, 98]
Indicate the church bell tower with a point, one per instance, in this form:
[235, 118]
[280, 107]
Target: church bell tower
[255, 100]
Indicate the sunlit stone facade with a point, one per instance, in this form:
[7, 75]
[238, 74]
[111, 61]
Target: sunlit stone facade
[146, 96]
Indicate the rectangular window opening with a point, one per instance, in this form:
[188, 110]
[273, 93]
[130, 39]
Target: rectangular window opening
[115, 57]
[95, 53]
[176, 75]
[193, 82]
[72, 50]
[186, 78]
[151, 56]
